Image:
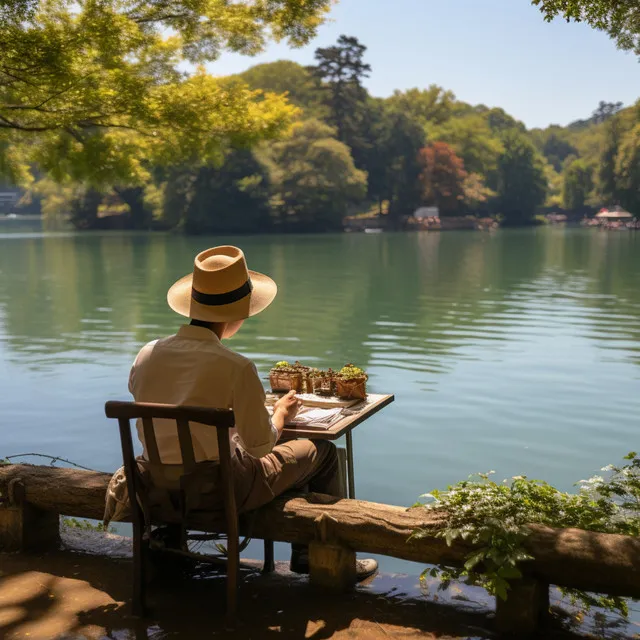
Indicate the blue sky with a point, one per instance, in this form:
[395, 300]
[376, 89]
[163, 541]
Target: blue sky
[495, 52]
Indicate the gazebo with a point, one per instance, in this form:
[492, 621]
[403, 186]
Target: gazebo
[613, 215]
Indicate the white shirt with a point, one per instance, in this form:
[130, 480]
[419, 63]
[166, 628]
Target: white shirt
[194, 368]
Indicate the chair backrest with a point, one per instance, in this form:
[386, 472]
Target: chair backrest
[220, 419]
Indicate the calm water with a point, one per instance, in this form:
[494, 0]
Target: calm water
[517, 351]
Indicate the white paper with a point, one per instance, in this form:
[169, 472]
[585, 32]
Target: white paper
[314, 417]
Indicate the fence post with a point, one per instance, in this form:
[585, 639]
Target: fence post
[24, 527]
[332, 565]
[527, 605]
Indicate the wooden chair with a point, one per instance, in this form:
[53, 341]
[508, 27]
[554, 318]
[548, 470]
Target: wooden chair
[222, 420]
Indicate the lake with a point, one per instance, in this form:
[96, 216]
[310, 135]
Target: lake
[515, 351]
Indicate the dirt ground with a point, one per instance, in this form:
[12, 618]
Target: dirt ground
[69, 595]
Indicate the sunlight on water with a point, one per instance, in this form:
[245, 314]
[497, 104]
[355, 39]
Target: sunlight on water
[517, 351]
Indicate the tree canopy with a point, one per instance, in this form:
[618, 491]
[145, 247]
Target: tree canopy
[442, 178]
[619, 18]
[314, 177]
[628, 170]
[578, 184]
[95, 91]
[521, 180]
[132, 140]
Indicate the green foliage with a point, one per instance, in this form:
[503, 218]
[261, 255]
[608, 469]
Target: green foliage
[578, 184]
[432, 106]
[473, 140]
[476, 193]
[341, 69]
[350, 371]
[314, 178]
[493, 517]
[84, 525]
[555, 186]
[399, 153]
[607, 177]
[521, 183]
[499, 120]
[285, 76]
[84, 209]
[605, 111]
[628, 170]
[619, 18]
[93, 92]
[95, 103]
[231, 199]
[557, 148]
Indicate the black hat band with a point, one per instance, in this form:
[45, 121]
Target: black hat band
[219, 299]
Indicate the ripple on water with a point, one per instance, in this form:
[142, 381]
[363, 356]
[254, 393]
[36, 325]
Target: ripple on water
[519, 352]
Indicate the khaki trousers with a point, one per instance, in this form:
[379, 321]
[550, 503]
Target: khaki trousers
[290, 465]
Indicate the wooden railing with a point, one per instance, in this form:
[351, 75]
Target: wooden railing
[604, 563]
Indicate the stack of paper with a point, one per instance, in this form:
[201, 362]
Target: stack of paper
[311, 417]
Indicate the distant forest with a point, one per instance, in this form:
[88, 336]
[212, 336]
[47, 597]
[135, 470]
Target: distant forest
[348, 153]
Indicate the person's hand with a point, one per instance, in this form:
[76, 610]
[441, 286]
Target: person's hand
[287, 406]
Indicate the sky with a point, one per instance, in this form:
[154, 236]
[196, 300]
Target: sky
[495, 52]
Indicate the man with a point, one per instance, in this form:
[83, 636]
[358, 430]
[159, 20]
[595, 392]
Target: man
[193, 368]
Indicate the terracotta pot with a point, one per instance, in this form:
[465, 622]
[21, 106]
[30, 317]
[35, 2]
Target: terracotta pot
[305, 381]
[308, 384]
[352, 388]
[323, 386]
[285, 381]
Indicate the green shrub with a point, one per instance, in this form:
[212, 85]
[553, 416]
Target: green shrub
[494, 517]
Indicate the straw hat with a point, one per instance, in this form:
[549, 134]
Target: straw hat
[221, 288]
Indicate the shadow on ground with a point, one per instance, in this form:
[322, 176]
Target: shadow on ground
[69, 595]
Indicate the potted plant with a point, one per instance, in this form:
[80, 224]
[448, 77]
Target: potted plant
[303, 370]
[309, 380]
[323, 383]
[284, 377]
[315, 378]
[351, 382]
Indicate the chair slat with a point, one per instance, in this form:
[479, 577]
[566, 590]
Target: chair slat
[151, 444]
[134, 489]
[186, 445]
[220, 418]
[224, 451]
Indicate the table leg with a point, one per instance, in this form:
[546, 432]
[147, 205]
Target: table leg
[351, 483]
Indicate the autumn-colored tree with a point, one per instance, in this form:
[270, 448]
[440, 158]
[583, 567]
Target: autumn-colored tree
[443, 178]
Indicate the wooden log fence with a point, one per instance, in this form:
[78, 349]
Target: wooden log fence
[603, 563]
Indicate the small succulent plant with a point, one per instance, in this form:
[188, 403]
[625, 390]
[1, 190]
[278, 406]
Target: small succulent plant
[350, 371]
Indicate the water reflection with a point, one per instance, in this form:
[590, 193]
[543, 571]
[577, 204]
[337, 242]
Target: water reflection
[392, 300]
[514, 350]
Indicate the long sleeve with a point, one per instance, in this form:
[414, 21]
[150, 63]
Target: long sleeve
[253, 424]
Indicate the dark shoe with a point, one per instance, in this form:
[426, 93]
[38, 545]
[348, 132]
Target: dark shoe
[366, 568]
[300, 564]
